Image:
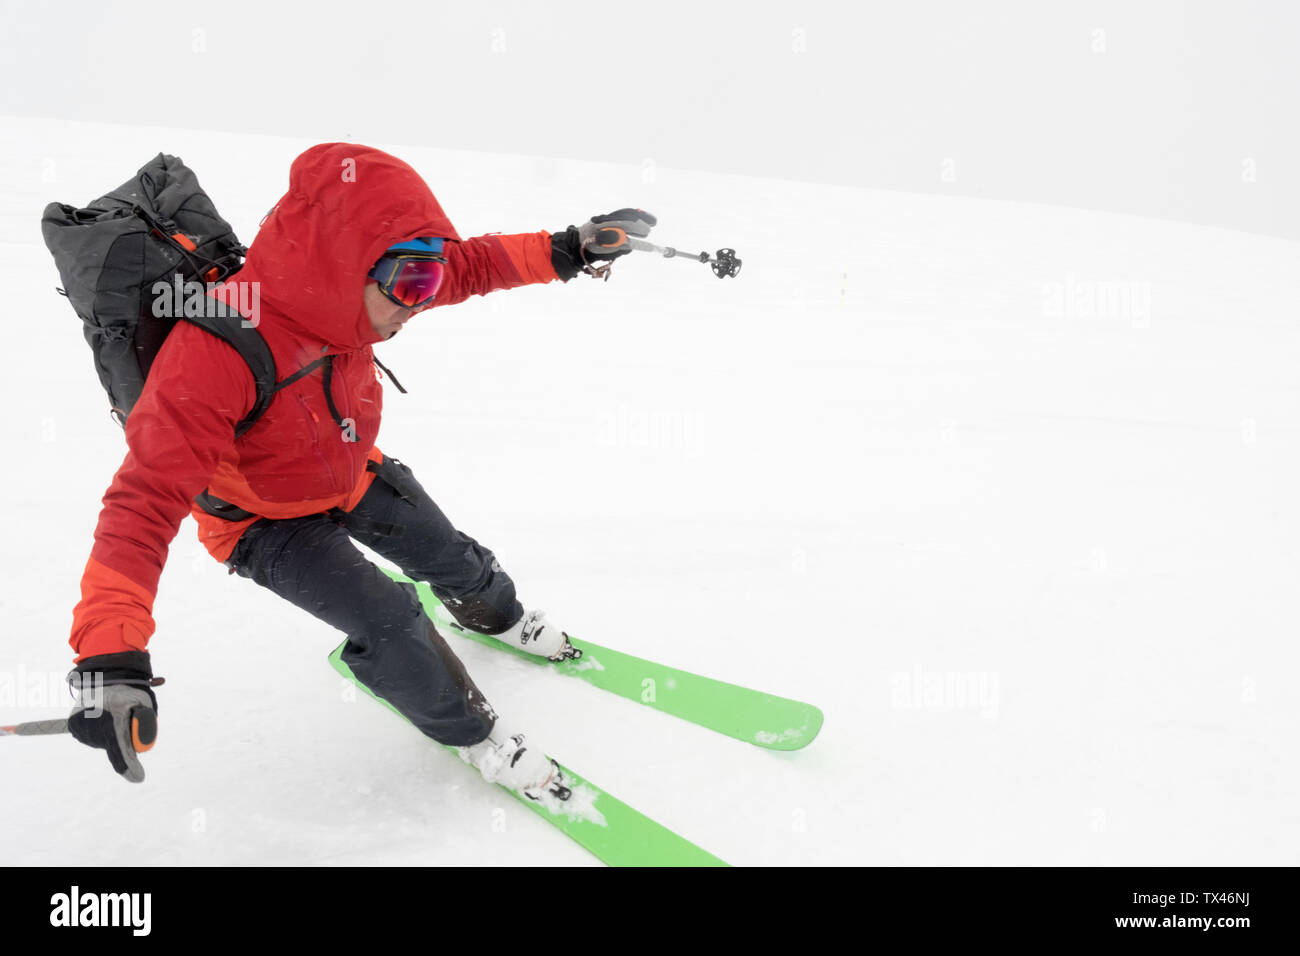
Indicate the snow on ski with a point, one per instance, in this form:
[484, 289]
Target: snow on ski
[612, 831]
[762, 719]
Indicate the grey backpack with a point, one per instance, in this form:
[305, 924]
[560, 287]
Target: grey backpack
[159, 226]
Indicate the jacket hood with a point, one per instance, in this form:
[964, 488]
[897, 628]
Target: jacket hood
[346, 204]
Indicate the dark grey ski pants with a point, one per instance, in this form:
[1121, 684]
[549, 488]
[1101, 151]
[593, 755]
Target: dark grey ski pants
[392, 648]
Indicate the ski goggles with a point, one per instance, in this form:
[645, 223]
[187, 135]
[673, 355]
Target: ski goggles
[410, 273]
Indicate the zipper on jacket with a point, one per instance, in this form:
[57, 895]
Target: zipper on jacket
[325, 461]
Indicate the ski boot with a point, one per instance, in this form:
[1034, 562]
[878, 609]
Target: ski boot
[506, 760]
[533, 633]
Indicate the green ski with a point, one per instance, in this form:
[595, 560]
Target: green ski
[613, 832]
[765, 720]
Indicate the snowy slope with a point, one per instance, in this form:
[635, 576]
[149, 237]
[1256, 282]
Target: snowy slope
[1008, 490]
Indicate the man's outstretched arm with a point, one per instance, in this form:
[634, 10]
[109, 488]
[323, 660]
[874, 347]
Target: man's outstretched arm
[484, 264]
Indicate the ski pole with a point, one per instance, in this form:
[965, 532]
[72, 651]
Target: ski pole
[41, 728]
[34, 728]
[724, 262]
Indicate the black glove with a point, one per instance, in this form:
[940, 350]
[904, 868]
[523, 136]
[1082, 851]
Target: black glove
[600, 238]
[117, 710]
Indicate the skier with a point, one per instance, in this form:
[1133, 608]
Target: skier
[355, 248]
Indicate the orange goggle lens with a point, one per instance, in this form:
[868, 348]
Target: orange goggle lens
[410, 281]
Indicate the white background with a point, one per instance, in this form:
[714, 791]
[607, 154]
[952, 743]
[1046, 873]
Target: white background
[1172, 108]
[1005, 487]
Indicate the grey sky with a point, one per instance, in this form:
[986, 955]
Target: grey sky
[1183, 110]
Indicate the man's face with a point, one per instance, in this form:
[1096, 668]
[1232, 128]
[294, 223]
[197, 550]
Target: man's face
[386, 316]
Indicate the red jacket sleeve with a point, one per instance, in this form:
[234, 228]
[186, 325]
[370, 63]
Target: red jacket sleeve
[484, 264]
[198, 390]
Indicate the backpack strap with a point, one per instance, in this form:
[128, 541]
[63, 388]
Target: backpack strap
[301, 373]
[327, 381]
[219, 508]
[390, 374]
[229, 326]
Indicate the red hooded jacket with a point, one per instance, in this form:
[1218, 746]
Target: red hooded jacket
[346, 204]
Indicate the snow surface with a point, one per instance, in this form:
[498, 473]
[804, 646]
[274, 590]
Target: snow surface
[1008, 490]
